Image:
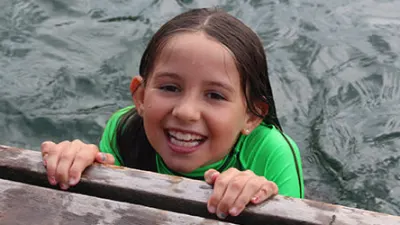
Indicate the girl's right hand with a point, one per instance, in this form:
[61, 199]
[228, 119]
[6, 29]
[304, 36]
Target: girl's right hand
[66, 161]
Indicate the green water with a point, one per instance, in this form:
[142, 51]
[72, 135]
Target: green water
[334, 65]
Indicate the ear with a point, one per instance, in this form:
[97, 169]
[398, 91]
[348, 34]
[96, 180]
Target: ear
[137, 91]
[252, 121]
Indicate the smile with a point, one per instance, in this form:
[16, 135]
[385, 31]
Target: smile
[184, 142]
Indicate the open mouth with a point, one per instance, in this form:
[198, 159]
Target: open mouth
[183, 139]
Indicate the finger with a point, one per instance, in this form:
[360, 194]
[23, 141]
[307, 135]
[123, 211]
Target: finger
[105, 158]
[45, 160]
[250, 189]
[220, 185]
[67, 157]
[83, 158]
[53, 155]
[267, 190]
[211, 175]
[233, 191]
[45, 148]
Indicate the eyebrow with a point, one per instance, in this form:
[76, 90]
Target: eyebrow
[220, 85]
[167, 74]
[172, 75]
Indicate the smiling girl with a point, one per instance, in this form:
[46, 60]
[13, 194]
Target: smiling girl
[203, 109]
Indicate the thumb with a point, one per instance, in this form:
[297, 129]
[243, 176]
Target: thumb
[211, 175]
[105, 158]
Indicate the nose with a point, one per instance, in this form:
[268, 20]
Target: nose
[186, 110]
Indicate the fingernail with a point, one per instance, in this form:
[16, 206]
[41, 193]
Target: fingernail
[221, 215]
[103, 157]
[72, 181]
[233, 211]
[52, 180]
[64, 186]
[254, 199]
[214, 177]
[211, 209]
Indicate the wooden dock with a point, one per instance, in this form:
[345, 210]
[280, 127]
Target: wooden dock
[118, 195]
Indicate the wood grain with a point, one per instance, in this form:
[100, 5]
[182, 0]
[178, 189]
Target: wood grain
[182, 195]
[27, 204]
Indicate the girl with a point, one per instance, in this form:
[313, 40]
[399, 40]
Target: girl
[203, 109]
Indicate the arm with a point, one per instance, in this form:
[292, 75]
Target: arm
[267, 153]
[108, 142]
[281, 169]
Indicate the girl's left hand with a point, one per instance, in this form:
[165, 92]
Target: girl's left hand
[234, 189]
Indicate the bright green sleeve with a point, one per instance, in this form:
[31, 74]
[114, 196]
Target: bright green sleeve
[108, 142]
[267, 153]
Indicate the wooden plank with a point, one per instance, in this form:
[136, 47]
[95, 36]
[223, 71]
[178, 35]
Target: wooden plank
[182, 195]
[27, 204]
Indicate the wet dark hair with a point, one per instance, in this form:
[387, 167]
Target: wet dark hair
[251, 63]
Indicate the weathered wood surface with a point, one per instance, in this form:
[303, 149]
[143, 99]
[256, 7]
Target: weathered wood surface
[27, 204]
[182, 195]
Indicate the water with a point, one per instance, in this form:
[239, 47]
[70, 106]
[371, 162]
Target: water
[334, 65]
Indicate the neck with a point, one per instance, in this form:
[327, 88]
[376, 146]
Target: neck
[198, 174]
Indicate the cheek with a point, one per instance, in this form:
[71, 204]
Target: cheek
[153, 106]
[227, 124]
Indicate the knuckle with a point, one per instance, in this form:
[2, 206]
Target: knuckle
[273, 187]
[44, 145]
[208, 173]
[64, 143]
[92, 147]
[221, 182]
[254, 183]
[269, 183]
[77, 141]
[236, 184]
[66, 155]
[232, 169]
[261, 180]
[248, 172]
[268, 188]
[59, 147]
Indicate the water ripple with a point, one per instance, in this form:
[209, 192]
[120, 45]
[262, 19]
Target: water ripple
[334, 67]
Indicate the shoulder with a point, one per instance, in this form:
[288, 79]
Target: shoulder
[113, 121]
[116, 115]
[265, 143]
[108, 142]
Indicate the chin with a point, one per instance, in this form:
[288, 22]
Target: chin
[180, 169]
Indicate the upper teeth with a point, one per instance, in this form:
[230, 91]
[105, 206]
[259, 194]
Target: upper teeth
[184, 136]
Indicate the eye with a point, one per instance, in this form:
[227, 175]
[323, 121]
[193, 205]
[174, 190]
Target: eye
[169, 88]
[216, 96]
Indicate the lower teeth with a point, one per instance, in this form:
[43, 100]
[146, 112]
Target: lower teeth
[184, 143]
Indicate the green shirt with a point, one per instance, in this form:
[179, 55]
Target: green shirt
[264, 151]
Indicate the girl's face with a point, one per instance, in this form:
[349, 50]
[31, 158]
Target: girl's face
[193, 106]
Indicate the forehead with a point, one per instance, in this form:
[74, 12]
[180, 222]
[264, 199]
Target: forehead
[197, 41]
[197, 51]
